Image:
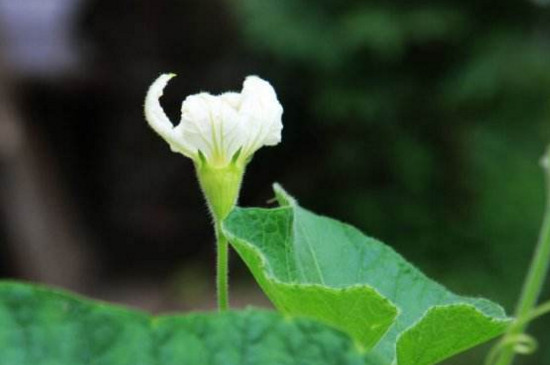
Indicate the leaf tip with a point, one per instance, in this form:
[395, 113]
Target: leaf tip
[283, 197]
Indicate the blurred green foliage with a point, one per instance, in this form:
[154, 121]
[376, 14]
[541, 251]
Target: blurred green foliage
[421, 122]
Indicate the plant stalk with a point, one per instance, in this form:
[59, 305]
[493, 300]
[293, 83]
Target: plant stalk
[537, 274]
[222, 268]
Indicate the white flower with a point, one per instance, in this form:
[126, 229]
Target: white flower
[220, 133]
[220, 128]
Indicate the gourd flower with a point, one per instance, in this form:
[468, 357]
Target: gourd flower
[220, 133]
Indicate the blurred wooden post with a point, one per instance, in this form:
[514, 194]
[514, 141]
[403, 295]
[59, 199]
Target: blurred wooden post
[45, 239]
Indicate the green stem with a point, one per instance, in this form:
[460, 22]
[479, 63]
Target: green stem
[222, 264]
[535, 278]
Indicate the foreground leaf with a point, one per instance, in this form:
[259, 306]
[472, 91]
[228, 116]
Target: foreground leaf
[319, 267]
[44, 327]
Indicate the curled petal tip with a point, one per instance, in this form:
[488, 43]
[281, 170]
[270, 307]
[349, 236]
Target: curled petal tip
[156, 90]
[153, 110]
[157, 119]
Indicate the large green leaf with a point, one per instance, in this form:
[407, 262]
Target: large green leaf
[44, 327]
[319, 267]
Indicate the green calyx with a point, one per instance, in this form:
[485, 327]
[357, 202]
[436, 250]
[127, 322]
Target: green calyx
[220, 186]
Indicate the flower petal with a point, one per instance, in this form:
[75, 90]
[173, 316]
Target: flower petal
[262, 114]
[217, 127]
[233, 99]
[210, 124]
[157, 119]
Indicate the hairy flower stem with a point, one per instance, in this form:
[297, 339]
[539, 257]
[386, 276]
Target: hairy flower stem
[536, 276]
[222, 270]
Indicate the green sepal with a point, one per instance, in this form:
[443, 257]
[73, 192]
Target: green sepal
[220, 186]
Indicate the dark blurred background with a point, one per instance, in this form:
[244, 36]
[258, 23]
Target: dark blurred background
[420, 122]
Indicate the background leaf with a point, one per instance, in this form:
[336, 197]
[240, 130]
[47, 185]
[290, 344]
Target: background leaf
[322, 268]
[44, 327]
